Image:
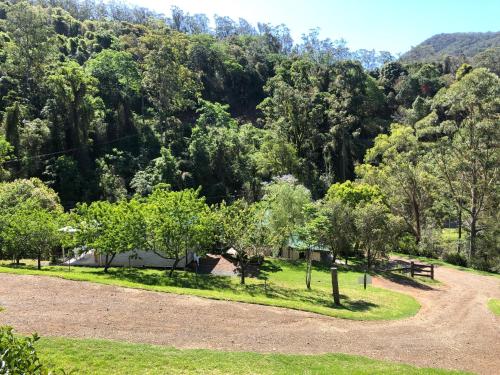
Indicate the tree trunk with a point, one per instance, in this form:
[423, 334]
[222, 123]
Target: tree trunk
[242, 273]
[418, 224]
[39, 261]
[473, 235]
[108, 261]
[171, 273]
[368, 259]
[308, 269]
[459, 250]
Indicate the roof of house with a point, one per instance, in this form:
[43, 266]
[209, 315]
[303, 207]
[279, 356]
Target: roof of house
[296, 243]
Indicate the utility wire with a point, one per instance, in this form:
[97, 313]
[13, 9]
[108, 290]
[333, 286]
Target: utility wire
[68, 150]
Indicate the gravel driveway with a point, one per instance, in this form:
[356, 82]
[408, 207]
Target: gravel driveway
[454, 329]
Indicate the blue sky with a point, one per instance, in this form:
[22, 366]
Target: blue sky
[389, 25]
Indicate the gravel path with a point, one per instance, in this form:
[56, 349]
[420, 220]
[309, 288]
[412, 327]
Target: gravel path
[454, 329]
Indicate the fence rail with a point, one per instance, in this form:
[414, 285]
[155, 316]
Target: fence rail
[416, 269]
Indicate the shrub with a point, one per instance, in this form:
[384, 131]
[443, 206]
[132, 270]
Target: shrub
[455, 258]
[407, 244]
[18, 354]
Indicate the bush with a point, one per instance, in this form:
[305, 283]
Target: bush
[455, 258]
[407, 244]
[18, 354]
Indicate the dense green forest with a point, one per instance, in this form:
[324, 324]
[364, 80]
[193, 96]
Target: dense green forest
[105, 101]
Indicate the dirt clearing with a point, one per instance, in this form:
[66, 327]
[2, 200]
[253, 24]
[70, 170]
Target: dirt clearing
[454, 329]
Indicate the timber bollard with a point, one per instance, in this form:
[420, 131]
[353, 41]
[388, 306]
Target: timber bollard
[335, 286]
[412, 269]
[432, 271]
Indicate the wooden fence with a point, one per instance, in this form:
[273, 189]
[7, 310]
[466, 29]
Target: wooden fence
[416, 269]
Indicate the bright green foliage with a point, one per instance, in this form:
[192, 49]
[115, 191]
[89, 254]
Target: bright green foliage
[400, 170]
[16, 192]
[111, 228]
[376, 230]
[177, 222]
[5, 150]
[333, 227]
[467, 154]
[353, 193]
[18, 355]
[28, 231]
[242, 227]
[284, 201]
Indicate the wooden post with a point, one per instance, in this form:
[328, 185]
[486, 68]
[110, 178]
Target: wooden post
[335, 286]
[412, 269]
[432, 271]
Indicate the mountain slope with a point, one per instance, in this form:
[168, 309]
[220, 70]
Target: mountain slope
[453, 44]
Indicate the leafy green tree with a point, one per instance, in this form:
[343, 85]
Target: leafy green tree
[5, 151]
[111, 228]
[219, 159]
[11, 125]
[14, 193]
[178, 222]
[242, 227]
[162, 170]
[376, 229]
[403, 175]
[74, 110]
[284, 200]
[119, 85]
[31, 232]
[170, 84]
[332, 227]
[32, 44]
[353, 193]
[467, 154]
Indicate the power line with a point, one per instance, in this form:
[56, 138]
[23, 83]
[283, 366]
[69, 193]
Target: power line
[68, 150]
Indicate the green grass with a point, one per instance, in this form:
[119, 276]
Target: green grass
[494, 306]
[285, 288]
[110, 357]
[449, 235]
[440, 262]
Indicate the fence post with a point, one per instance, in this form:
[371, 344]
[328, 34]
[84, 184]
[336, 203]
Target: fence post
[335, 286]
[412, 269]
[432, 271]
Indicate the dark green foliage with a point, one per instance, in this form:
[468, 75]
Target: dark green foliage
[455, 258]
[18, 354]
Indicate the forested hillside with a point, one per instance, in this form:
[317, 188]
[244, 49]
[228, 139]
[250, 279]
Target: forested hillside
[465, 46]
[104, 102]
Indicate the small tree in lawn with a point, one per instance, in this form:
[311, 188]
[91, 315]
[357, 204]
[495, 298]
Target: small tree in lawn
[243, 228]
[333, 228]
[284, 200]
[31, 232]
[111, 228]
[177, 222]
[376, 230]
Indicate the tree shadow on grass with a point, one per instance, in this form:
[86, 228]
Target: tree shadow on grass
[179, 279]
[405, 280]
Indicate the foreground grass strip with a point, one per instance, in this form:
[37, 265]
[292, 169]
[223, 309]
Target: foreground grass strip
[494, 306]
[110, 357]
[284, 288]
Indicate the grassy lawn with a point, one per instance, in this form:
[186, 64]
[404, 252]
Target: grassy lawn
[285, 288]
[110, 357]
[494, 306]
